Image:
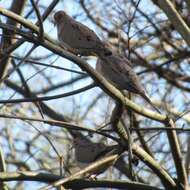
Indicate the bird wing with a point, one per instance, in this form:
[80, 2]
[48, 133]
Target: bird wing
[119, 72]
[85, 38]
[132, 81]
[104, 150]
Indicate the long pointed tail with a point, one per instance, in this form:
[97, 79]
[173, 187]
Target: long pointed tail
[150, 102]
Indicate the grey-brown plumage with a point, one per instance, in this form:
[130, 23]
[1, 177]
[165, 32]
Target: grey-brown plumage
[87, 152]
[77, 37]
[118, 71]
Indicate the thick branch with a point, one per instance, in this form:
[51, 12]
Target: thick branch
[177, 156]
[175, 18]
[16, 7]
[73, 184]
[107, 87]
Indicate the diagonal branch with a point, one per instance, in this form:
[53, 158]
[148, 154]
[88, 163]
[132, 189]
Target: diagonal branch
[40, 20]
[177, 156]
[73, 184]
[175, 18]
[103, 83]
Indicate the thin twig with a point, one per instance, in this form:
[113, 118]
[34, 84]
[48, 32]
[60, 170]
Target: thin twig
[48, 98]
[40, 20]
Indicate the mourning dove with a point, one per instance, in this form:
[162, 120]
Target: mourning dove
[117, 69]
[77, 37]
[87, 152]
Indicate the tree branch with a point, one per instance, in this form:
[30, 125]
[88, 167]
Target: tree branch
[175, 18]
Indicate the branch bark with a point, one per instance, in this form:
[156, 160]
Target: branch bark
[7, 37]
[175, 18]
[73, 184]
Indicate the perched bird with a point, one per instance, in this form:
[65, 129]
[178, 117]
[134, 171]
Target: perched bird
[77, 37]
[117, 70]
[87, 152]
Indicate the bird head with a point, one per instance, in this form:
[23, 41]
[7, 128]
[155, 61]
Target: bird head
[59, 16]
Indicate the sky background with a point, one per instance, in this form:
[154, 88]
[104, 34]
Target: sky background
[74, 104]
